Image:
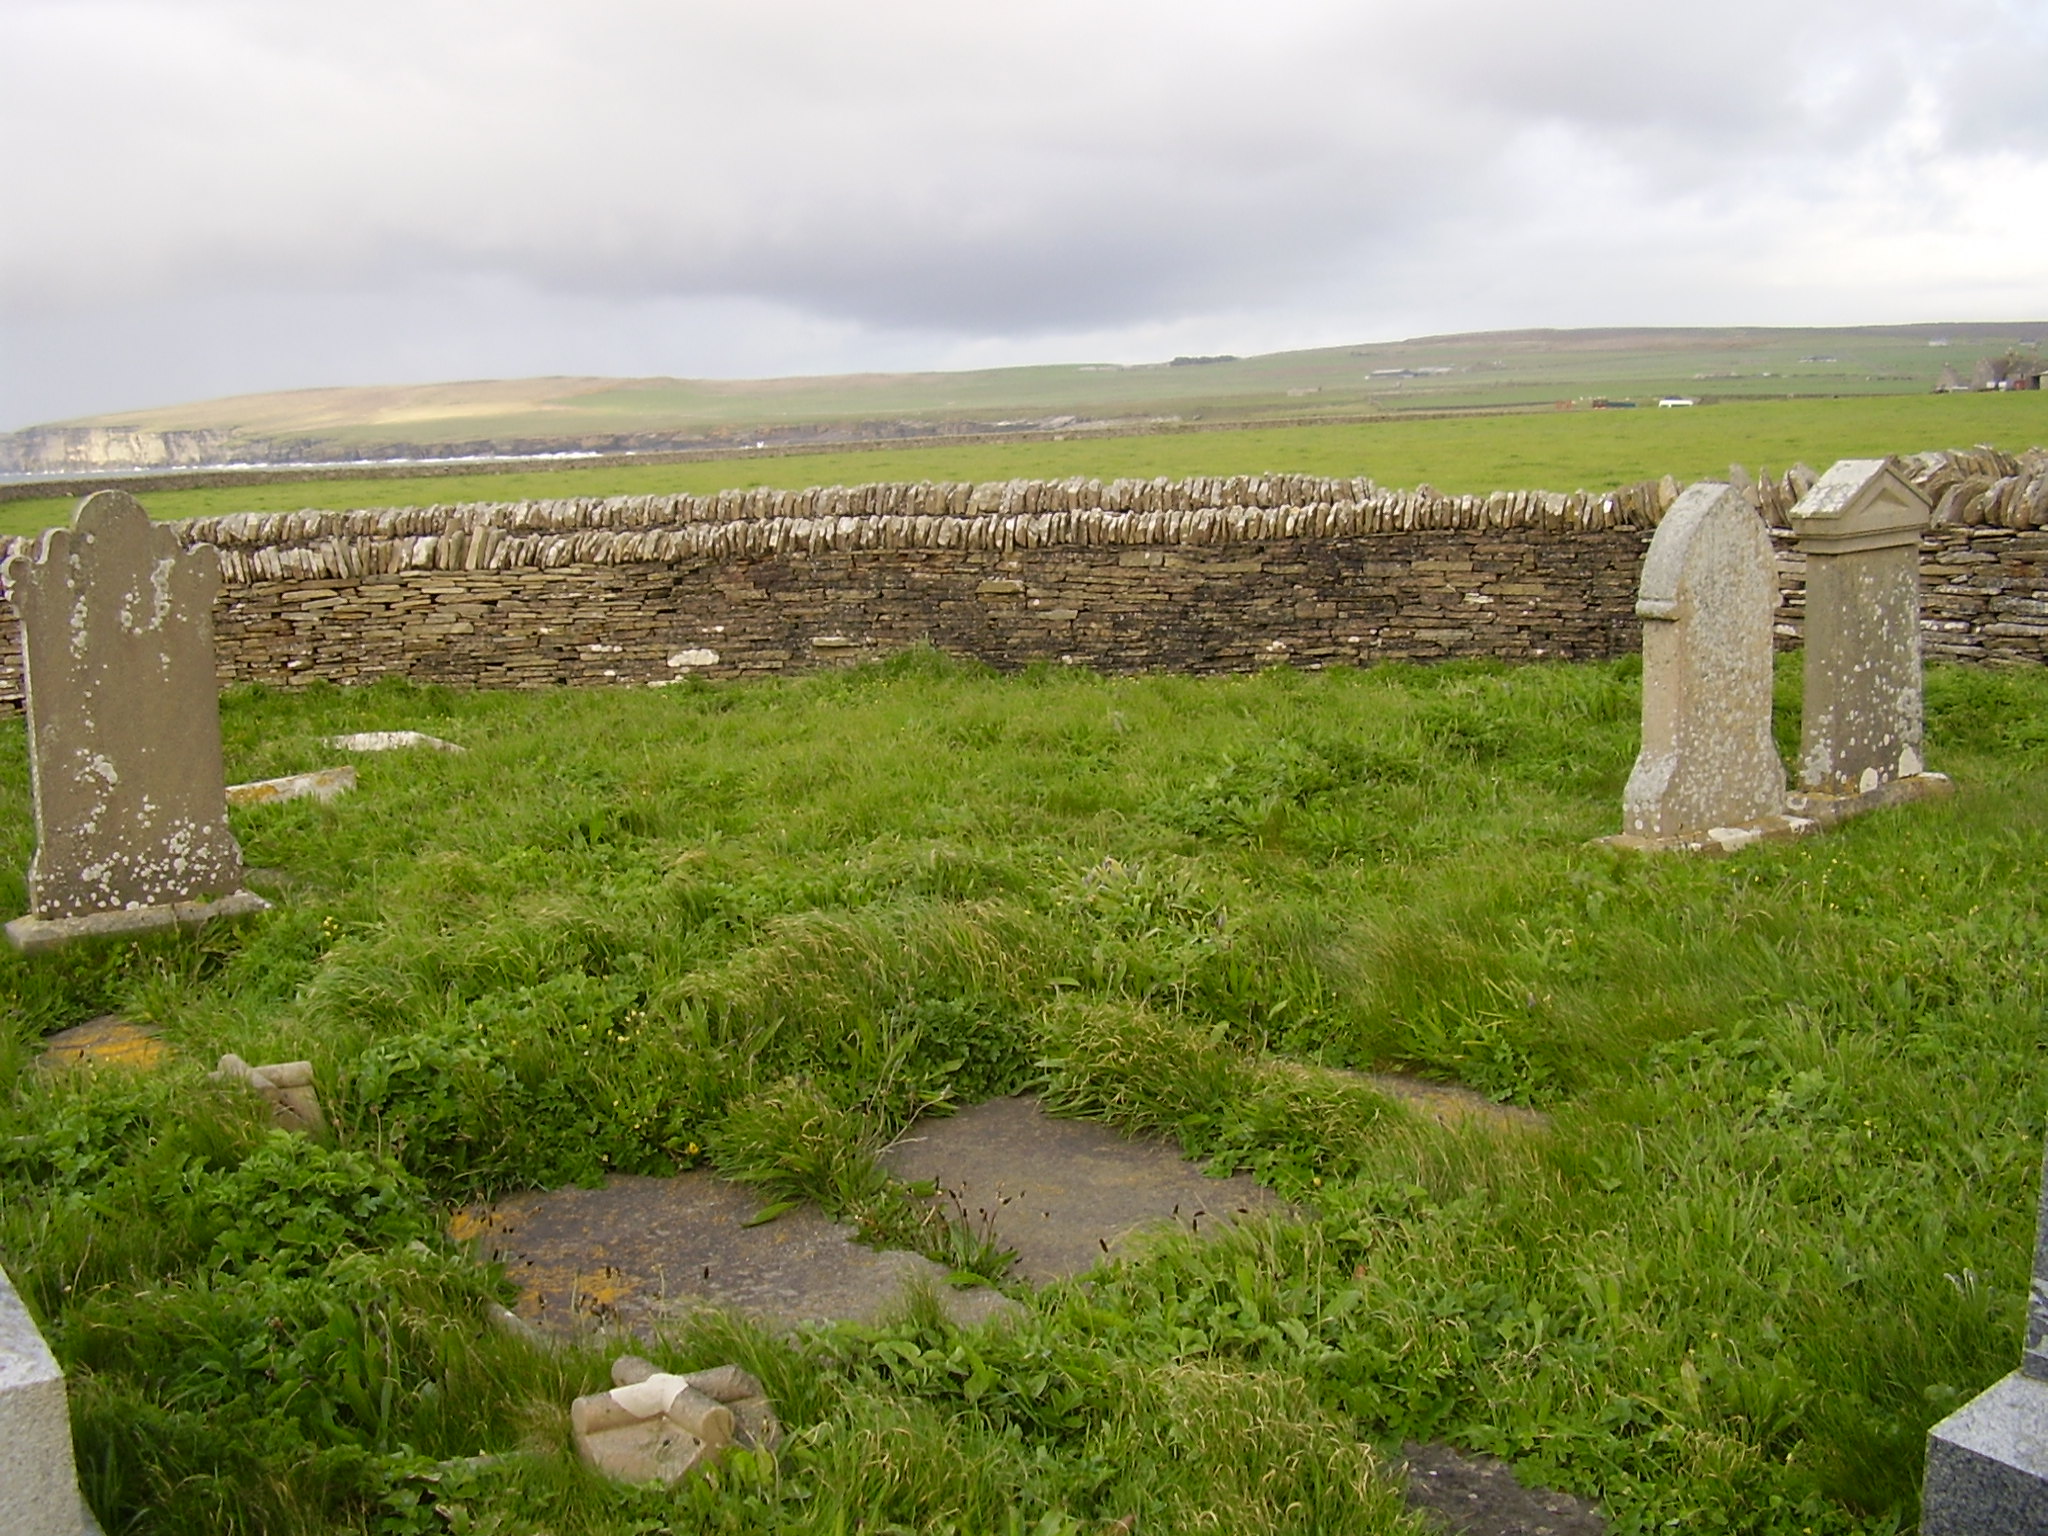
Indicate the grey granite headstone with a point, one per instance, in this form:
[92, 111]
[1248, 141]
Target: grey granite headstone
[38, 1481]
[1987, 1463]
[124, 729]
[1708, 592]
[1859, 528]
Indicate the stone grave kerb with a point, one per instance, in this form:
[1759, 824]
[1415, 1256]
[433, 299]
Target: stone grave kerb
[1859, 529]
[123, 710]
[1707, 594]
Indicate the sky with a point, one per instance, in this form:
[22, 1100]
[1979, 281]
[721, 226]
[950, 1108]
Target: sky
[212, 197]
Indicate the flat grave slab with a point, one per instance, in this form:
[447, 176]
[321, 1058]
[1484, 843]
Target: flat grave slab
[643, 1252]
[107, 1041]
[1063, 1193]
[1481, 1496]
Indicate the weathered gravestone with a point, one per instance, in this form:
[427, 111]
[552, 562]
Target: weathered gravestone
[1987, 1463]
[1859, 528]
[124, 730]
[38, 1481]
[1709, 772]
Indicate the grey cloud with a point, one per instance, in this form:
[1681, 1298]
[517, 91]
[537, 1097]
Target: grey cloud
[924, 179]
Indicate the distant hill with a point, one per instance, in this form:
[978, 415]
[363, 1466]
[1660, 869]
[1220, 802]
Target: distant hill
[1483, 371]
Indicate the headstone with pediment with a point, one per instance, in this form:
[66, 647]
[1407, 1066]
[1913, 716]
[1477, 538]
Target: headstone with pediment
[124, 730]
[1859, 528]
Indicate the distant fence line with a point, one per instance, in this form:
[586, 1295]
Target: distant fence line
[1209, 573]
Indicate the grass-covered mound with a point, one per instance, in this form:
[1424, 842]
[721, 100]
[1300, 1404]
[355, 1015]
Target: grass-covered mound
[1782, 1223]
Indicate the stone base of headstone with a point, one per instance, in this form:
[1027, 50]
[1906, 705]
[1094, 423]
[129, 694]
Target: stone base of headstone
[34, 935]
[323, 784]
[1768, 829]
[38, 1480]
[1987, 1464]
[1832, 810]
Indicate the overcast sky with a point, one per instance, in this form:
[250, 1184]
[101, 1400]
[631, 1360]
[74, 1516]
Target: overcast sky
[206, 197]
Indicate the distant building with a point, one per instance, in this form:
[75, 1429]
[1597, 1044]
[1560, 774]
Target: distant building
[2014, 370]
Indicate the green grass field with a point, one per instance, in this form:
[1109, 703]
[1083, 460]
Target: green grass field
[1783, 1220]
[1483, 369]
[1562, 450]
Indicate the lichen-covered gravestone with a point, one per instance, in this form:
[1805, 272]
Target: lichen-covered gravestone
[1859, 528]
[1709, 772]
[124, 730]
[1987, 1463]
[38, 1482]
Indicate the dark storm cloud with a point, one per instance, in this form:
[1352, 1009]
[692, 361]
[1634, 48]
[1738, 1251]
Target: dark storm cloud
[214, 196]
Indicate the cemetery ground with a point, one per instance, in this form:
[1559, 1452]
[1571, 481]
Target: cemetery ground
[1555, 450]
[1779, 1224]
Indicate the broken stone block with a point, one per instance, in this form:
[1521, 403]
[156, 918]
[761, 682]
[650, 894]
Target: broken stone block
[654, 1426]
[755, 1426]
[287, 1085]
[322, 784]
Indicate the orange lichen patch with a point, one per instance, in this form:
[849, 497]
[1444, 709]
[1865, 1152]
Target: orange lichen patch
[469, 1223]
[108, 1041]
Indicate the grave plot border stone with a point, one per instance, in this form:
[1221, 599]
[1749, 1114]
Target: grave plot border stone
[38, 1479]
[124, 731]
[1987, 1463]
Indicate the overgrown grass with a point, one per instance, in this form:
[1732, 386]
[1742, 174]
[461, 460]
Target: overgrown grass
[1551, 450]
[1780, 1225]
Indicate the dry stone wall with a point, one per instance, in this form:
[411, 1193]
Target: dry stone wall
[1201, 575]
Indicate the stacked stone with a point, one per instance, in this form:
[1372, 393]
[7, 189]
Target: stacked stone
[1210, 573]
